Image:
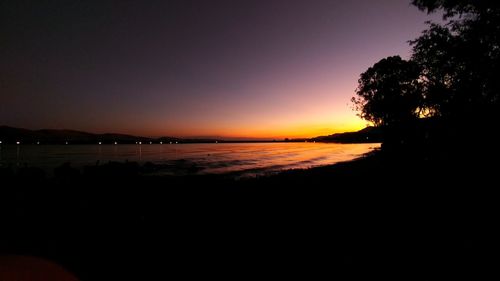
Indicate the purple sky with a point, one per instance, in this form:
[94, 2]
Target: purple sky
[195, 68]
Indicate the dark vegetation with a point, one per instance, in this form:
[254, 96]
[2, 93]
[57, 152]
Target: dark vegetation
[424, 207]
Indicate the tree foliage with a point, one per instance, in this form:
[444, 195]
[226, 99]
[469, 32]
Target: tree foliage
[460, 60]
[388, 92]
[434, 52]
[457, 7]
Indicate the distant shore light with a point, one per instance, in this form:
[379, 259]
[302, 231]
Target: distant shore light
[116, 142]
[100, 143]
[150, 142]
[176, 142]
[170, 142]
[66, 142]
[18, 142]
[37, 142]
[161, 142]
[140, 142]
[0, 142]
[216, 141]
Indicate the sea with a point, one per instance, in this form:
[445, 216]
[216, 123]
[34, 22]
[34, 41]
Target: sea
[242, 159]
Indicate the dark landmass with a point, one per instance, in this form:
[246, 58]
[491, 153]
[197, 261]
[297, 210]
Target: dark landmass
[47, 136]
[366, 135]
[11, 135]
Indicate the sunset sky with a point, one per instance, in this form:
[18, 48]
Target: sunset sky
[195, 68]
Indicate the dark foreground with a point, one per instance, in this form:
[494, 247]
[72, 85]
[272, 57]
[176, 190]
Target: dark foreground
[380, 216]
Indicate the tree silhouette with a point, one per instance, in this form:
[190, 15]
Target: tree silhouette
[458, 7]
[435, 51]
[452, 74]
[389, 93]
[460, 60]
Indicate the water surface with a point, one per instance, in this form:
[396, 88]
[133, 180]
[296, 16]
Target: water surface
[242, 158]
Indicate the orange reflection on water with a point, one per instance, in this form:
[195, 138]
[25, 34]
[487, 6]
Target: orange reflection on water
[257, 158]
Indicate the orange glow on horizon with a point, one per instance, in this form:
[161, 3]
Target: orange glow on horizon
[278, 108]
[307, 129]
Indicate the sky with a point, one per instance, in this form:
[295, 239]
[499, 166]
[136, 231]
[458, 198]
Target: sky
[262, 69]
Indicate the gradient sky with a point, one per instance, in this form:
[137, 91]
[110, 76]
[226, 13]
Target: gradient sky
[195, 68]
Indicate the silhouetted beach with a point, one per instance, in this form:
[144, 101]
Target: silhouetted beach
[376, 213]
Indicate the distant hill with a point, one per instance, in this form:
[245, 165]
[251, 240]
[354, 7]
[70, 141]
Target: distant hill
[366, 135]
[11, 135]
[49, 136]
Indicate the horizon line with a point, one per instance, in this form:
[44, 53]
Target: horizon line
[195, 137]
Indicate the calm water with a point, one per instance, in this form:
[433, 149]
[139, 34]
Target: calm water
[242, 158]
